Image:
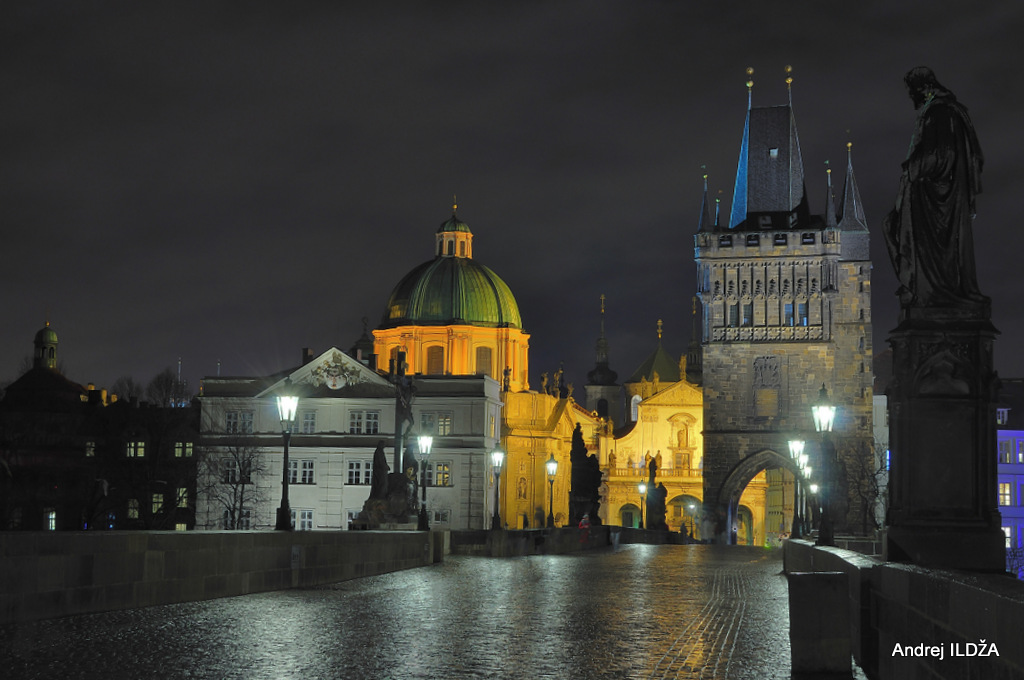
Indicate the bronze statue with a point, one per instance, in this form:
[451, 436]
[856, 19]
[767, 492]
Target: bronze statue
[929, 232]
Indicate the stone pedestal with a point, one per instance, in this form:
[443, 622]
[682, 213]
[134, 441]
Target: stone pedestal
[942, 484]
[819, 624]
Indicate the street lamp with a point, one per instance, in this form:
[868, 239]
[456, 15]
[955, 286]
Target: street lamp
[497, 458]
[287, 405]
[796, 450]
[809, 504]
[824, 413]
[425, 441]
[693, 510]
[552, 466]
[642, 488]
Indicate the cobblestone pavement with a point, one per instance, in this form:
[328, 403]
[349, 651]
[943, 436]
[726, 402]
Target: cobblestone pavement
[636, 612]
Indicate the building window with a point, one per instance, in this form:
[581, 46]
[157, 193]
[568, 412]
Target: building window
[182, 449]
[734, 314]
[51, 519]
[305, 520]
[755, 239]
[1008, 533]
[372, 422]
[801, 313]
[780, 239]
[182, 497]
[360, 472]
[180, 527]
[1005, 493]
[439, 474]
[788, 314]
[807, 239]
[435, 360]
[238, 422]
[436, 422]
[135, 449]
[1020, 450]
[309, 422]
[1005, 451]
[356, 420]
[300, 471]
[484, 362]
[1002, 415]
[748, 314]
[634, 407]
[235, 473]
[90, 449]
[725, 241]
[133, 508]
[244, 522]
[158, 502]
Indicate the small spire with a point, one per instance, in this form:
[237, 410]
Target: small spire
[789, 83]
[704, 221]
[851, 216]
[830, 200]
[718, 212]
[750, 85]
[659, 330]
[455, 205]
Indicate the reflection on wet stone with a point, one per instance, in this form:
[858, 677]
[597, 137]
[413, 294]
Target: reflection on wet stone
[638, 612]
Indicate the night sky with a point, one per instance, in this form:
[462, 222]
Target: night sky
[235, 181]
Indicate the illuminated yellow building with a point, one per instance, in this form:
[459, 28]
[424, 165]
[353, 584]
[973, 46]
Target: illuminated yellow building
[454, 316]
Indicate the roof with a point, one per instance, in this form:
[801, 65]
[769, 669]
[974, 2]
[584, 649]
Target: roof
[451, 290]
[660, 362]
[43, 389]
[453, 224]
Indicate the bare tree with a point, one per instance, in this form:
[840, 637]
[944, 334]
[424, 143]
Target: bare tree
[127, 388]
[228, 477]
[1015, 561]
[868, 481]
[167, 389]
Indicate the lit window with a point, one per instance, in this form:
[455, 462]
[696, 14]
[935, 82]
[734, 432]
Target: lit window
[773, 152]
[789, 320]
[133, 508]
[439, 474]
[433, 422]
[309, 422]
[182, 449]
[136, 449]
[182, 497]
[1005, 493]
[158, 502]
[180, 527]
[90, 449]
[1008, 533]
[51, 519]
[1002, 415]
[801, 313]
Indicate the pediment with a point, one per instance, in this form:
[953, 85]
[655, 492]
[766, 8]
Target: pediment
[333, 373]
[681, 392]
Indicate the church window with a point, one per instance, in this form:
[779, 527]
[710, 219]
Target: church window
[733, 315]
[435, 360]
[451, 247]
[748, 314]
[801, 312]
[789, 320]
[634, 408]
[483, 362]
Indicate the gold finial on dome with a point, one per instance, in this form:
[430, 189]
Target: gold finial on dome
[659, 329]
[455, 204]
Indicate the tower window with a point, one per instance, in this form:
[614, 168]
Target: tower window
[773, 153]
[725, 240]
[451, 247]
[754, 239]
[807, 239]
[435, 360]
[462, 248]
[733, 315]
[780, 240]
[789, 321]
[748, 314]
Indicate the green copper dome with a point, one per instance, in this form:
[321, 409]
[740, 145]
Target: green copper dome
[453, 224]
[451, 290]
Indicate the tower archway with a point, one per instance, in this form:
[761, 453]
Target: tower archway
[728, 516]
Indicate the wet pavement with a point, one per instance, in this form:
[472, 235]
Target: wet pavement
[639, 611]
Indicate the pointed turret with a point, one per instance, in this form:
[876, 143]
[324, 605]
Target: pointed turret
[694, 352]
[852, 222]
[830, 200]
[704, 224]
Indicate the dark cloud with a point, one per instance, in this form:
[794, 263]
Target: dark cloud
[219, 181]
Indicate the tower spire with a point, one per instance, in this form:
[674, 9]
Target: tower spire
[851, 215]
[830, 200]
[704, 222]
[750, 86]
[789, 83]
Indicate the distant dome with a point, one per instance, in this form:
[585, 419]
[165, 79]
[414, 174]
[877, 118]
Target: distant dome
[451, 290]
[453, 224]
[46, 336]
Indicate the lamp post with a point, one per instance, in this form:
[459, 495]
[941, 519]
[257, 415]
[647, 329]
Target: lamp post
[693, 509]
[642, 488]
[497, 458]
[552, 467]
[809, 511]
[287, 405]
[425, 442]
[824, 413]
[796, 449]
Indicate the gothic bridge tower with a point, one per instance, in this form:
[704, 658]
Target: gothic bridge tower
[785, 307]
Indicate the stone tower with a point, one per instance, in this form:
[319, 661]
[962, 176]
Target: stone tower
[785, 306]
[604, 394]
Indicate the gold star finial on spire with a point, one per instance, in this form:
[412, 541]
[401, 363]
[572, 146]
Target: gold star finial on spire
[659, 329]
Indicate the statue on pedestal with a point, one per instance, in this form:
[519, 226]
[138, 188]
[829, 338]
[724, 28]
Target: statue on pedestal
[929, 232]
